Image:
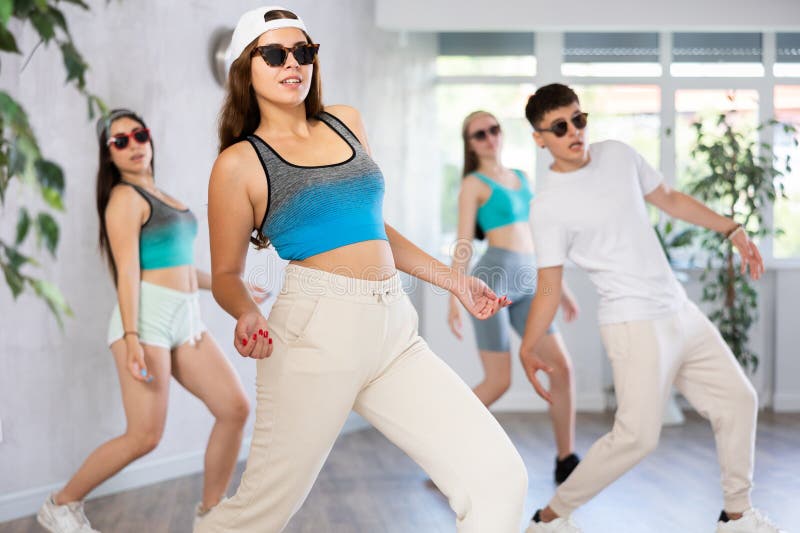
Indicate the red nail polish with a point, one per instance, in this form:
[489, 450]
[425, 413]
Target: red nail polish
[260, 331]
[255, 336]
[244, 342]
[270, 341]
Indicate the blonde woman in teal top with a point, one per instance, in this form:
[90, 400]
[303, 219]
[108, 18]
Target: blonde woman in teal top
[155, 329]
[494, 203]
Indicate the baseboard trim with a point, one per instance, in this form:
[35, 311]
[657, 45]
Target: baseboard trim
[786, 402]
[524, 401]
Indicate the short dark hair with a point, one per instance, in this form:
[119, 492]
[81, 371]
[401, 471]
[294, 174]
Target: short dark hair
[546, 99]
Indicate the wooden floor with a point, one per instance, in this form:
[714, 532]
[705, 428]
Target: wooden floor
[369, 486]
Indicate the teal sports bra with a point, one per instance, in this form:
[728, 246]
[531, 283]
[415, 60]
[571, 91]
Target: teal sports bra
[505, 206]
[167, 237]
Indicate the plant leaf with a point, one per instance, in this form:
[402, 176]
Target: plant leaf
[43, 24]
[14, 279]
[74, 63]
[7, 41]
[23, 224]
[53, 297]
[48, 230]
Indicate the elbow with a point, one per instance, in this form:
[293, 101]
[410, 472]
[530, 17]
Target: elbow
[216, 289]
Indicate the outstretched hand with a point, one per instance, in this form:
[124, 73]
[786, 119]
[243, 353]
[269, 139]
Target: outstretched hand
[751, 258]
[478, 298]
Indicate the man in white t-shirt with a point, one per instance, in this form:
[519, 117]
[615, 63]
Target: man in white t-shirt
[590, 209]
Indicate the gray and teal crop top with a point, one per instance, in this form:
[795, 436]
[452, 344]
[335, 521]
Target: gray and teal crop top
[167, 236]
[311, 210]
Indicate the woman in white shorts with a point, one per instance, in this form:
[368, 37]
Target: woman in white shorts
[155, 329]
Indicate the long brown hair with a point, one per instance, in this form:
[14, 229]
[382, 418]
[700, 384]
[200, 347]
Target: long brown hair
[240, 115]
[108, 176]
[471, 161]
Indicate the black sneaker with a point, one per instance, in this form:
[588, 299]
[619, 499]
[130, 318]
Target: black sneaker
[564, 467]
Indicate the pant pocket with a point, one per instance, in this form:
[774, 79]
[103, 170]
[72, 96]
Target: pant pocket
[317, 339]
[300, 317]
[616, 340]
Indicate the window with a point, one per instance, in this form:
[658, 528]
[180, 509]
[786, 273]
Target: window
[629, 113]
[716, 54]
[704, 105]
[611, 54]
[622, 79]
[787, 55]
[787, 211]
[486, 54]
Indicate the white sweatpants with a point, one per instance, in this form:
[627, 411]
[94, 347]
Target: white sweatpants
[345, 344]
[648, 357]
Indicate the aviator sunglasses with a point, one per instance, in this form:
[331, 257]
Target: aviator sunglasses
[481, 135]
[559, 128]
[121, 140]
[276, 55]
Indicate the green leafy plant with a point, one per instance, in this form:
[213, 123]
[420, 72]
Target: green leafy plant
[673, 238]
[20, 155]
[740, 177]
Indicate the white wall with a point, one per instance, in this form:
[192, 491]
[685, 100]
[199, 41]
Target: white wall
[787, 344]
[59, 396]
[588, 15]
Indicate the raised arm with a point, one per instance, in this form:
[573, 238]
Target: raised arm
[684, 207]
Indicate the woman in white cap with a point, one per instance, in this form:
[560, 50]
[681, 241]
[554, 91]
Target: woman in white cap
[155, 329]
[342, 335]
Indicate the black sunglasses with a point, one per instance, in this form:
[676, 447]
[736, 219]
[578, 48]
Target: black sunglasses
[276, 55]
[560, 127]
[481, 135]
[121, 140]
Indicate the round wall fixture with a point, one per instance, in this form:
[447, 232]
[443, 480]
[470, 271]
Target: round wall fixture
[220, 42]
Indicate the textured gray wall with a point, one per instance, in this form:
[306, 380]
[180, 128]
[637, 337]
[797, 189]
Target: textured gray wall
[59, 396]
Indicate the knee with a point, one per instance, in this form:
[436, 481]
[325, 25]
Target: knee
[562, 371]
[640, 444]
[500, 383]
[508, 477]
[744, 401]
[497, 383]
[143, 442]
[236, 410]
[499, 498]
[748, 399]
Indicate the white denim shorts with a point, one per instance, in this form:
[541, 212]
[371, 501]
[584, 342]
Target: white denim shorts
[167, 318]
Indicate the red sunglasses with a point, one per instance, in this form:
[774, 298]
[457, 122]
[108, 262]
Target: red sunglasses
[121, 140]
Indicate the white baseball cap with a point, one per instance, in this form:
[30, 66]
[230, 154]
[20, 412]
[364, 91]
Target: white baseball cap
[251, 25]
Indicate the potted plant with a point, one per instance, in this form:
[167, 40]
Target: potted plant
[739, 177]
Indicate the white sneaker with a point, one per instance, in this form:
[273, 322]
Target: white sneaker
[751, 521]
[68, 518]
[559, 525]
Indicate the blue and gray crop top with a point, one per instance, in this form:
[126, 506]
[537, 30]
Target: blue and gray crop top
[504, 206]
[311, 210]
[167, 237]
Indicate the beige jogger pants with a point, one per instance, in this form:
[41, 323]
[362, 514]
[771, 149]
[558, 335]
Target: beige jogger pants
[345, 344]
[648, 357]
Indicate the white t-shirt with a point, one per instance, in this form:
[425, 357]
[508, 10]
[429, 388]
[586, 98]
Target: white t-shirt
[596, 217]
